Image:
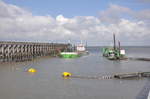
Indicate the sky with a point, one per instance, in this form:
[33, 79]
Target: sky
[60, 21]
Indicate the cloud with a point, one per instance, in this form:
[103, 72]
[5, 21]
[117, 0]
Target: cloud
[144, 1]
[114, 13]
[18, 24]
[143, 15]
[11, 11]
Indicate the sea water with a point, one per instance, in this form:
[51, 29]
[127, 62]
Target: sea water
[47, 82]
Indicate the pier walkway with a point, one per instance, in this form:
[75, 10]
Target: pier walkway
[23, 51]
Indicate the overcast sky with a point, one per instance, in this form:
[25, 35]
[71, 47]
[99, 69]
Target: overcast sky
[92, 21]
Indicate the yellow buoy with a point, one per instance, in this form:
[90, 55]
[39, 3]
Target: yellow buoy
[32, 70]
[66, 74]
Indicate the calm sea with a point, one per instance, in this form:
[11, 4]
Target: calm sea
[47, 83]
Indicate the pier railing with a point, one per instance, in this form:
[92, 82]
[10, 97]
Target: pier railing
[23, 51]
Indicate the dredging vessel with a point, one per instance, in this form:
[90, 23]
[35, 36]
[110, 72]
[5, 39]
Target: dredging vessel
[114, 53]
[69, 55]
[75, 52]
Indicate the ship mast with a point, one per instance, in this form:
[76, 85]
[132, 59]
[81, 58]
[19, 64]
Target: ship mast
[114, 41]
[119, 47]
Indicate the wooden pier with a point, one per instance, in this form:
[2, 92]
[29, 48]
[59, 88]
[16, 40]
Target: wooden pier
[23, 51]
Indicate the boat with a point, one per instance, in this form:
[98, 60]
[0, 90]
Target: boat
[81, 50]
[69, 54]
[114, 53]
[74, 52]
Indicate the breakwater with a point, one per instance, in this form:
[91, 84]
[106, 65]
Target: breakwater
[23, 51]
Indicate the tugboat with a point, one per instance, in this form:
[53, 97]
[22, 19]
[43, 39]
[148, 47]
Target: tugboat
[114, 53]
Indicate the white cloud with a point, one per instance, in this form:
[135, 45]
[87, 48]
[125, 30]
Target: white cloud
[61, 19]
[143, 15]
[18, 24]
[114, 13]
[11, 11]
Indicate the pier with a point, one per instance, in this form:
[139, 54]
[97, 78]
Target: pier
[24, 51]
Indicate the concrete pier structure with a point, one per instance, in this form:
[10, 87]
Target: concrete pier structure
[23, 51]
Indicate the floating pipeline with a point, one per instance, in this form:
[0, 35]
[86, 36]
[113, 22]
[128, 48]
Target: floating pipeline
[116, 76]
[93, 77]
[129, 58]
[66, 75]
[132, 75]
[128, 76]
[139, 59]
